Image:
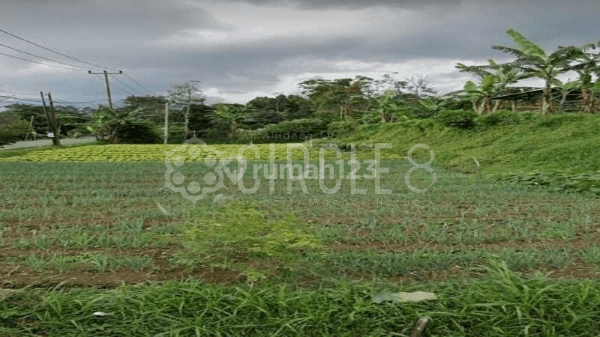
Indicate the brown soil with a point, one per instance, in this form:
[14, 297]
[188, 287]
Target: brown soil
[577, 271]
[19, 276]
[516, 245]
[149, 251]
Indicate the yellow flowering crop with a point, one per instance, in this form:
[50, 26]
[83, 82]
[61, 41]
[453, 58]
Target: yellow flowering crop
[191, 152]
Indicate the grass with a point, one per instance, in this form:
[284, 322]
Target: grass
[503, 259]
[566, 144]
[501, 305]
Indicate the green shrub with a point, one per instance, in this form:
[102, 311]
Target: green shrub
[12, 128]
[296, 130]
[457, 118]
[241, 229]
[503, 117]
[142, 133]
[342, 128]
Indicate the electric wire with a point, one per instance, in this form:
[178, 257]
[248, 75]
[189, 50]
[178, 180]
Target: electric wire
[46, 64]
[54, 51]
[125, 84]
[45, 58]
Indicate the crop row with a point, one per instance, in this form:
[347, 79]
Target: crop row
[191, 152]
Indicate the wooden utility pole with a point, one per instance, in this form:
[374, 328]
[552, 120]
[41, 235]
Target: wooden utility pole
[166, 121]
[107, 85]
[52, 123]
[29, 130]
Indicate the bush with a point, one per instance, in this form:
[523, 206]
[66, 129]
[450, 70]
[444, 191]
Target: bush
[12, 128]
[138, 134]
[296, 130]
[457, 118]
[503, 117]
[343, 128]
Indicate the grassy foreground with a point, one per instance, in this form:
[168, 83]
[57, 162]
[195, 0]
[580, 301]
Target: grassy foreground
[500, 305]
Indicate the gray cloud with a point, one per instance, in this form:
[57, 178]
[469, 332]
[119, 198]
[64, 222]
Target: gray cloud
[143, 39]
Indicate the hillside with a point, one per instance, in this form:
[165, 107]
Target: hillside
[560, 150]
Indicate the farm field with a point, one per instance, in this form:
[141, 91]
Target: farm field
[98, 236]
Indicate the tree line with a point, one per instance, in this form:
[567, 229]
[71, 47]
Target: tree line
[338, 105]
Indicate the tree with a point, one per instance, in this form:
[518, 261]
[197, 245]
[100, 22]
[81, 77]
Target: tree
[387, 107]
[26, 111]
[534, 61]
[565, 90]
[71, 118]
[419, 86]
[151, 107]
[111, 122]
[480, 94]
[183, 96]
[345, 95]
[388, 82]
[12, 127]
[499, 77]
[233, 115]
[586, 64]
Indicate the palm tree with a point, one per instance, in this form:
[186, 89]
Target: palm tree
[585, 65]
[494, 80]
[534, 61]
[480, 94]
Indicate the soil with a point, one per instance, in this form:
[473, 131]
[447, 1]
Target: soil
[514, 245]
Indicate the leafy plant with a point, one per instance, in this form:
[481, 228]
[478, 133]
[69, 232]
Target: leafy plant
[240, 229]
[457, 118]
[534, 61]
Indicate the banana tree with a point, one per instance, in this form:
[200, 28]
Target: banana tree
[107, 121]
[479, 94]
[504, 75]
[565, 90]
[233, 116]
[534, 61]
[586, 64]
[387, 107]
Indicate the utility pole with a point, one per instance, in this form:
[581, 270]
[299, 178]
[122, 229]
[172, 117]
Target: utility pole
[52, 123]
[166, 121]
[107, 86]
[30, 127]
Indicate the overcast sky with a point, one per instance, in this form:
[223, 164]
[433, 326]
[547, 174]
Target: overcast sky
[240, 50]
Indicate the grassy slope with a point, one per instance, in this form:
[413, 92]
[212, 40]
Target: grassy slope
[566, 143]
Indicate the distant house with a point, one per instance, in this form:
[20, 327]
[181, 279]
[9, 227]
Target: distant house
[530, 99]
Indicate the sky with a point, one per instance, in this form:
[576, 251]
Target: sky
[243, 49]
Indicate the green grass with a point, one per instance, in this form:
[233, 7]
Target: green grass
[500, 304]
[563, 142]
[311, 263]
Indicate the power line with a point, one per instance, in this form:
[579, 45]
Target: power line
[123, 90]
[21, 99]
[54, 51]
[45, 58]
[141, 86]
[107, 84]
[125, 84]
[46, 64]
[37, 100]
